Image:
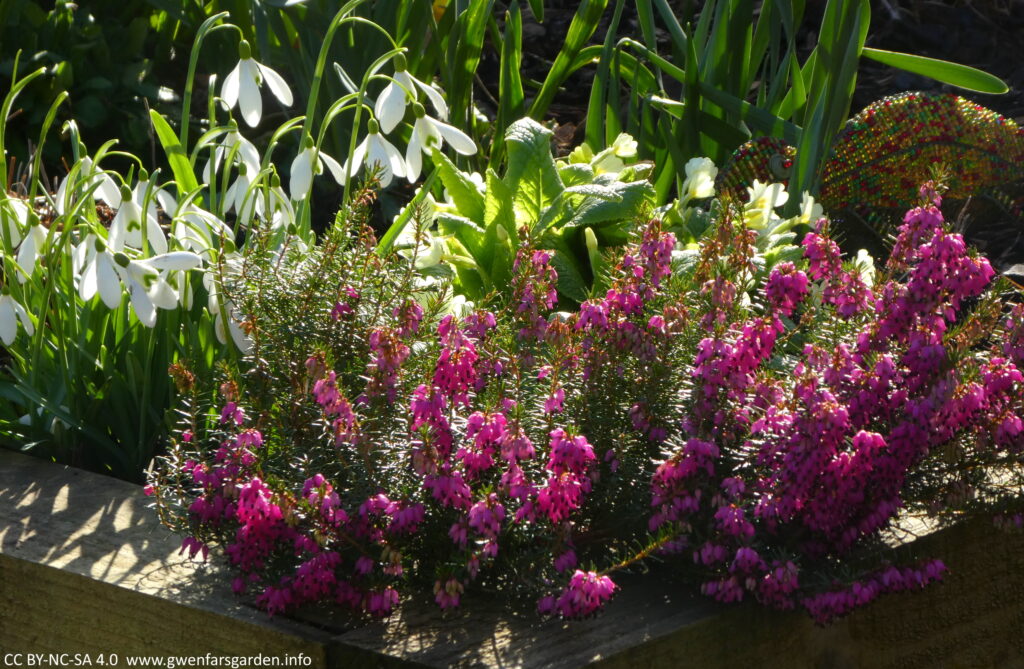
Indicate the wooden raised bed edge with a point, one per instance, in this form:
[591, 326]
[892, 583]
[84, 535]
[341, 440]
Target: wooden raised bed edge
[86, 567]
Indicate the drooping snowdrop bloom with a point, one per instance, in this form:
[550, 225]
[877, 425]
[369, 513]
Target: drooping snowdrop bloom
[89, 175]
[308, 164]
[147, 283]
[759, 212]
[195, 228]
[98, 273]
[126, 228]
[241, 196]
[227, 319]
[428, 133]
[235, 144]
[378, 155]
[10, 313]
[32, 246]
[392, 101]
[242, 86]
[13, 219]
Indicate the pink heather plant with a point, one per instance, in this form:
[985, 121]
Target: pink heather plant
[754, 426]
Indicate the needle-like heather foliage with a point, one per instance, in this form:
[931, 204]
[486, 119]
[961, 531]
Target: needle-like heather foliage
[759, 426]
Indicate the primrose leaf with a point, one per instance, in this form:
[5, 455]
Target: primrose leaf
[628, 202]
[532, 176]
[461, 189]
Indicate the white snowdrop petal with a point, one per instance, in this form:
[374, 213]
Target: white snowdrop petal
[162, 295]
[278, 86]
[390, 107]
[250, 103]
[87, 284]
[175, 260]
[229, 89]
[8, 322]
[107, 281]
[435, 99]
[458, 140]
[300, 176]
[413, 156]
[335, 168]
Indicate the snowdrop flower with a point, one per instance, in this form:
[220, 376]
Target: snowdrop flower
[98, 274]
[244, 153]
[239, 196]
[223, 309]
[13, 218]
[10, 313]
[89, 175]
[764, 198]
[195, 228]
[126, 228]
[147, 283]
[379, 155]
[31, 248]
[392, 101]
[242, 86]
[429, 133]
[700, 178]
[308, 164]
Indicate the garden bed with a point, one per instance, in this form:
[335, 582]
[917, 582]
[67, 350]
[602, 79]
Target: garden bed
[85, 567]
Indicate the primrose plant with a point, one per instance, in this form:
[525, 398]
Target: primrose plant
[573, 207]
[121, 273]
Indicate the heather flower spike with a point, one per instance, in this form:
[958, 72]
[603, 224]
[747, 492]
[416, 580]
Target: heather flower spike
[242, 86]
[393, 100]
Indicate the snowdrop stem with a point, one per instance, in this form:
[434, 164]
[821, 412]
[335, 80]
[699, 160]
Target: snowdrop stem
[193, 61]
[321, 62]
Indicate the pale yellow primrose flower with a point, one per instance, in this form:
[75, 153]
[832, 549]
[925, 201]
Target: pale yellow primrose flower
[700, 178]
[764, 198]
[865, 264]
[810, 211]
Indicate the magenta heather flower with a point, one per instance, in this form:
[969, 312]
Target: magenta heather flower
[447, 594]
[786, 288]
[586, 593]
[455, 372]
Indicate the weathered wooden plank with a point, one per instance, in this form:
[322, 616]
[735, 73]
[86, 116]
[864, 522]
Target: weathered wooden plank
[85, 566]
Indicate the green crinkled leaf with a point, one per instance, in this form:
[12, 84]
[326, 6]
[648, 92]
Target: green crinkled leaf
[598, 191]
[461, 189]
[472, 238]
[532, 176]
[498, 207]
[575, 174]
[597, 211]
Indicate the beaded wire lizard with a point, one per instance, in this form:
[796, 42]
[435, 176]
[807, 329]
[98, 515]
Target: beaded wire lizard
[883, 154]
